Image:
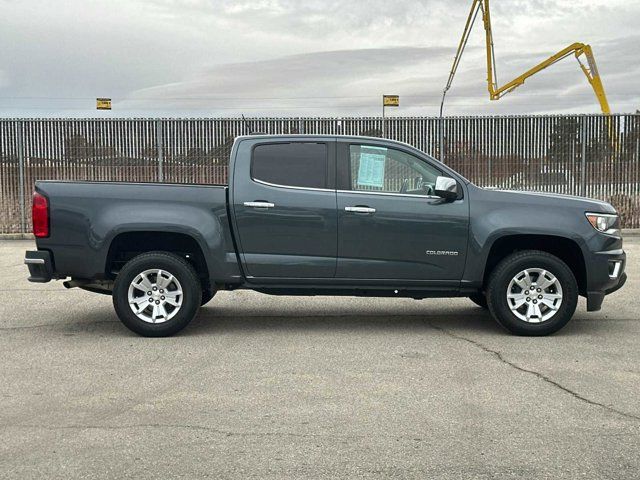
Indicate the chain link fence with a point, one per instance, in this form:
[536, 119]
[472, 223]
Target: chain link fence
[590, 155]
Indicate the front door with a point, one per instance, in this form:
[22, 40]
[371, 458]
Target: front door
[390, 223]
[284, 202]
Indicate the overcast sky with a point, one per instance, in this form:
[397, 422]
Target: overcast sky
[298, 58]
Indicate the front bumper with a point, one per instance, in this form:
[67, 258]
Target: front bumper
[623, 280]
[40, 265]
[605, 270]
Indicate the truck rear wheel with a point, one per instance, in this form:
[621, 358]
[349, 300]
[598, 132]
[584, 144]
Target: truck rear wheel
[156, 294]
[532, 293]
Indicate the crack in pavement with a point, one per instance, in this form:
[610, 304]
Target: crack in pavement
[52, 325]
[34, 290]
[539, 375]
[228, 433]
[205, 316]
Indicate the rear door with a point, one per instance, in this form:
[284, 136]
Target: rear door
[391, 226]
[284, 203]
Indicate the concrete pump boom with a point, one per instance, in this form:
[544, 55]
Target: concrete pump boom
[495, 92]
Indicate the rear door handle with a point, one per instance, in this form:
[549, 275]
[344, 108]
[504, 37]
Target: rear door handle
[259, 204]
[360, 209]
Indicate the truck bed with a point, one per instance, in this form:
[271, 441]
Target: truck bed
[85, 217]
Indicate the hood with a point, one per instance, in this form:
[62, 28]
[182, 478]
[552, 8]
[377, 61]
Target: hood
[553, 200]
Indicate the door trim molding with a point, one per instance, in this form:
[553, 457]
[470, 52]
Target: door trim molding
[389, 194]
[293, 187]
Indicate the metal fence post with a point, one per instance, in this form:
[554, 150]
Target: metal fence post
[20, 148]
[441, 139]
[159, 149]
[583, 156]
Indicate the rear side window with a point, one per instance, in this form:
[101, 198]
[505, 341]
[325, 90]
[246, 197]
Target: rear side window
[294, 164]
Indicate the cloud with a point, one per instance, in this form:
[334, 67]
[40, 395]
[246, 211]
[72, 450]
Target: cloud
[286, 57]
[4, 79]
[350, 82]
[343, 78]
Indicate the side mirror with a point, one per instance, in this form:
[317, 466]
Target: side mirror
[446, 188]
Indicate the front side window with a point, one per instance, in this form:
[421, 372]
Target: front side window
[295, 164]
[387, 170]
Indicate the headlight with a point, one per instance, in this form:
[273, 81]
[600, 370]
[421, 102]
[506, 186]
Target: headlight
[604, 222]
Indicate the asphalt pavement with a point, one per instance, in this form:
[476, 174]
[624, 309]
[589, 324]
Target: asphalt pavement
[314, 387]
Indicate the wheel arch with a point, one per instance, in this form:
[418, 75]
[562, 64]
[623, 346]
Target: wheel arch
[566, 249]
[126, 245]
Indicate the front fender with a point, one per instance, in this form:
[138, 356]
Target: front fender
[480, 248]
[495, 215]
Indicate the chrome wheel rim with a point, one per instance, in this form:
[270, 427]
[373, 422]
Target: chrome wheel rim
[155, 296]
[534, 295]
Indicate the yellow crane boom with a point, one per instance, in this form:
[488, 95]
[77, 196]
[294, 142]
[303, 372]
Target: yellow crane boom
[495, 92]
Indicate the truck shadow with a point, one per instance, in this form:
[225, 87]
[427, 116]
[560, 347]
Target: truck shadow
[208, 321]
[471, 320]
[212, 320]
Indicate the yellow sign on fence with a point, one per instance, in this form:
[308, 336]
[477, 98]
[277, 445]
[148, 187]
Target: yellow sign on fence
[391, 100]
[103, 103]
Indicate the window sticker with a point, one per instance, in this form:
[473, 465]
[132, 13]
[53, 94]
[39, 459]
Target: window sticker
[371, 168]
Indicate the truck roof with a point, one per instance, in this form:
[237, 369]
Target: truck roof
[316, 136]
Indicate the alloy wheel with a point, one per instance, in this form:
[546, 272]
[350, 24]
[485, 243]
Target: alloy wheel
[155, 296]
[534, 295]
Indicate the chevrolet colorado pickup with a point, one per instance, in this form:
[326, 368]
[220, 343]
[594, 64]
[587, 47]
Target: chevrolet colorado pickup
[327, 215]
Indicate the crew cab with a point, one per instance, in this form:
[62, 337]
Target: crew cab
[327, 215]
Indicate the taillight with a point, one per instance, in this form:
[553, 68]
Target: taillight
[40, 215]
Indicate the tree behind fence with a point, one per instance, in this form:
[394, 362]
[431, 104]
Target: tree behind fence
[587, 155]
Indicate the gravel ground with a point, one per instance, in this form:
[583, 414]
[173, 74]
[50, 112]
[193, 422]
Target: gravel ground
[314, 387]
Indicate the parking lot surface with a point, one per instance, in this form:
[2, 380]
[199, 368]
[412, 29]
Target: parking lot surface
[313, 387]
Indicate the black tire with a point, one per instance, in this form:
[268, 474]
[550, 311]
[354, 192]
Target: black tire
[507, 269]
[207, 295]
[181, 270]
[479, 299]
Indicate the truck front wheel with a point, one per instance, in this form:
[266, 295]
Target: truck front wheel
[156, 294]
[532, 293]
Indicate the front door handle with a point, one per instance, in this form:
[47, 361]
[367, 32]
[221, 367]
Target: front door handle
[360, 209]
[259, 204]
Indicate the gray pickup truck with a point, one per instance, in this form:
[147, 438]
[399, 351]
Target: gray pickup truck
[327, 215]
